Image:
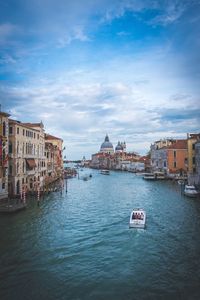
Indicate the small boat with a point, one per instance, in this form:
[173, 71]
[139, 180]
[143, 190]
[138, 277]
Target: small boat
[85, 177]
[159, 175]
[105, 172]
[149, 176]
[190, 191]
[137, 218]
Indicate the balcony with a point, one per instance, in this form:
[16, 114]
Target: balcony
[30, 172]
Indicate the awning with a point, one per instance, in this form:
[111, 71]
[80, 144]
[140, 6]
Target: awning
[31, 163]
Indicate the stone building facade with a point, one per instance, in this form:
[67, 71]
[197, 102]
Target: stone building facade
[3, 155]
[26, 157]
[58, 150]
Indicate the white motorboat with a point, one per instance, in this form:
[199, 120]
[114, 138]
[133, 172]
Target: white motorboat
[191, 191]
[149, 176]
[105, 172]
[138, 218]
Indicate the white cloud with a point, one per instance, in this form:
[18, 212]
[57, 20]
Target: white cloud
[76, 34]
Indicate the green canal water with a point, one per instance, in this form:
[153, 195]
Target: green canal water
[78, 245]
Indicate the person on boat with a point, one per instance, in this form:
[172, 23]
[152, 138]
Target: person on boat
[133, 216]
[142, 216]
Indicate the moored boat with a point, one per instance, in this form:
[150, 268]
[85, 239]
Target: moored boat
[149, 176]
[191, 191]
[159, 175]
[137, 218]
[105, 172]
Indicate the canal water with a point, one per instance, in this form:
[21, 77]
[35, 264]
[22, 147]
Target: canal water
[78, 245]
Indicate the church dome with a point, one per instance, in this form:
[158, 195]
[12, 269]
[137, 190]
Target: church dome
[106, 145]
[119, 147]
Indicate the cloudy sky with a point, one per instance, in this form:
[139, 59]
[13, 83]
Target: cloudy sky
[129, 68]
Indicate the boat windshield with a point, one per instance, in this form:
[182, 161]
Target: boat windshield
[138, 215]
[191, 188]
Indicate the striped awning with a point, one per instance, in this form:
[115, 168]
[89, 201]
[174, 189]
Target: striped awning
[31, 163]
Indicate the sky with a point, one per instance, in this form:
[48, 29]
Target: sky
[87, 68]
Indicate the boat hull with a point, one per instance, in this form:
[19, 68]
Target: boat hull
[137, 225]
[191, 195]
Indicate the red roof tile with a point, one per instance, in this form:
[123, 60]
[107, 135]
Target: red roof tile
[179, 144]
[51, 137]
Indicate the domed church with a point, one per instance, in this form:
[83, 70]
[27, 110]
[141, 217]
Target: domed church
[106, 146]
[121, 147]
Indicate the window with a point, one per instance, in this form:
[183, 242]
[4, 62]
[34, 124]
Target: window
[174, 154]
[10, 147]
[165, 164]
[193, 146]
[10, 169]
[17, 168]
[23, 132]
[10, 130]
[193, 160]
[175, 164]
[4, 128]
[17, 147]
[17, 130]
[194, 170]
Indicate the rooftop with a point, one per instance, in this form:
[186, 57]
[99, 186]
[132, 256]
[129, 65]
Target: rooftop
[51, 137]
[179, 144]
[3, 114]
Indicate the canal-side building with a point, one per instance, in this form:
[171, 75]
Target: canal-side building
[107, 146]
[121, 160]
[177, 154]
[58, 150]
[41, 159]
[197, 160]
[158, 154]
[192, 139]
[121, 147]
[3, 155]
[50, 156]
[193, 158]
[24, 158]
